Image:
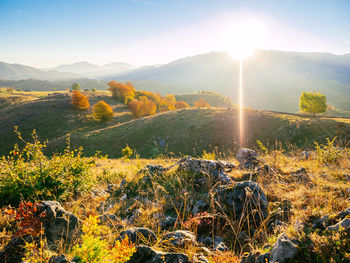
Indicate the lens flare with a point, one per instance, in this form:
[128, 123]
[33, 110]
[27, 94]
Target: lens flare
[240, 96]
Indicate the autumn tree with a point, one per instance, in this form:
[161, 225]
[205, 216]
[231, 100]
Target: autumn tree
[125, 92]
[181, 105]
[167, 103]
[201, 103]
[312, 102]
[142, 107]
[79, 100]
[76, 86]
[102, 111]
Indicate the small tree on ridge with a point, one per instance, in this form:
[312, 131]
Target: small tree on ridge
[313, 102]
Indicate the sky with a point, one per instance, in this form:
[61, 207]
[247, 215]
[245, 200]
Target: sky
[47, 33]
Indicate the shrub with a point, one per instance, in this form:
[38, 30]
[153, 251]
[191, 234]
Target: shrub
[328, 153]
[95, 249]
[102, 111]
[142, 107]
[181, 105]
[201, 103]
[123, 92]
[79, 100]
[28, 174]
[127, 152]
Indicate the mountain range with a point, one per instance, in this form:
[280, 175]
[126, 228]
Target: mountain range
[272, 80]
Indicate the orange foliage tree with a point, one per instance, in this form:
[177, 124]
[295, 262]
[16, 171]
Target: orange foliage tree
[79, 100]
[125, 92]
[102, 111]
[142, 107]
[181, 105]
[201, 103]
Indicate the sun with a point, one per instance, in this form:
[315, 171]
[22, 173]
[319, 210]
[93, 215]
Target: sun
[244, 38]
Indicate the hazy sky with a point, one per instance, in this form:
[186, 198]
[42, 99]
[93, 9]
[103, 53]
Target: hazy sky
[45, 33]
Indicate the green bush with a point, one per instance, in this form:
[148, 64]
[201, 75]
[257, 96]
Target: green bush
[328, 153]
[29, 175]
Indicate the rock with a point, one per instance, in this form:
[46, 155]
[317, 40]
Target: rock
[321, 223]
[283, 250]
[304, 155]
[242, 199]
[342, 225]
[248, 158]
[139, 236]
[179, 238]
[14, 250]
[217, 244]
[263, 258]
[146, 254]
[216, 169]
[200, 258]
[58, 259]
[343, 214]
[154, 169]
[168, 222]
[59, 225]
[199, 206]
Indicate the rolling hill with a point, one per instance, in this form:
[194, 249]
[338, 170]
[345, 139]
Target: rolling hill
[93, 71]
[273, 80]
[20, 72]
[187, 131]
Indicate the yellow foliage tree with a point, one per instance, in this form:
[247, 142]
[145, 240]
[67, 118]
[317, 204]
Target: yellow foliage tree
[79, 100]
[102, 111]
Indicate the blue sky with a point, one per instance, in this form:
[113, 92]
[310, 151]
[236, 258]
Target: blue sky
[45, 33]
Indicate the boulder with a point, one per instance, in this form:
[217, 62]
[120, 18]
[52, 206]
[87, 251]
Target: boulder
[342, 225]
[283, 250]
[248, 158]
[216, 169]
[179, 238]
[138, 235]
[59, 225]
[14, 250]
[168, 222]
[242, 199]
[146, 254]
[216, 244]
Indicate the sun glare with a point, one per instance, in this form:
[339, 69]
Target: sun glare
[244, 38]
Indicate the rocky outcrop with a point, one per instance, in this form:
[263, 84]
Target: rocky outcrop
[243, 199]
[248, 158]
[60, 228]
[216, 169]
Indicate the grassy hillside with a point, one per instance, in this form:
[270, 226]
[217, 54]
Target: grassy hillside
[187, 131]
[191, 131]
